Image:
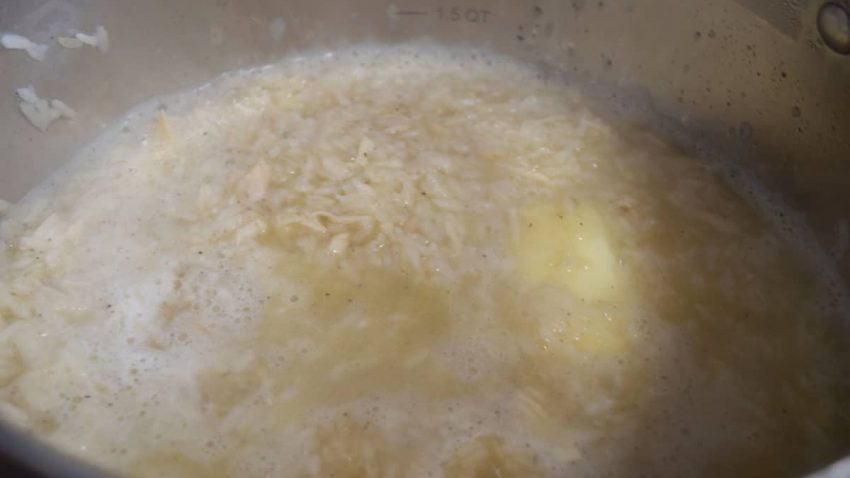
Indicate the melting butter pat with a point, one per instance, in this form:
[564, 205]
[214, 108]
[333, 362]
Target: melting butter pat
[568, 248]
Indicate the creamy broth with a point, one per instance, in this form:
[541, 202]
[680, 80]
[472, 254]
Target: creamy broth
[412, 262]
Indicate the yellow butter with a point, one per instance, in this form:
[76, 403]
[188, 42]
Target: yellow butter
[569, 248]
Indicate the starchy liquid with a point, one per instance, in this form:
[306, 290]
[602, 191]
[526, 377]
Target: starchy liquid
[412, 261]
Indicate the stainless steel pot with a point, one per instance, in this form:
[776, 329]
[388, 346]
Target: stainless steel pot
[764, 82]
